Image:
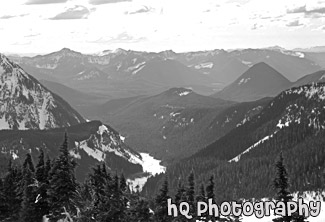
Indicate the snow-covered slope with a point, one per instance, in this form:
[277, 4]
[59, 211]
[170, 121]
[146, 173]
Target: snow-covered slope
[306, 107]
[105, 142]
[26, 104]
[151, 167]
[90, 143]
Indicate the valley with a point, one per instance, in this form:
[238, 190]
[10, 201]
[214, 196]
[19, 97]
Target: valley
[145, 117]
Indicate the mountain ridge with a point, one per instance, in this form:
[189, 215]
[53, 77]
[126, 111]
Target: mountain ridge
[26, 104]
[261, 80]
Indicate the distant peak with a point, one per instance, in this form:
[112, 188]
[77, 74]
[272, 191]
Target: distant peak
[2, 56]
[180, 91]
[263, 71]
[276, 47]
[261, 65]
[66, 50]
[4, 61]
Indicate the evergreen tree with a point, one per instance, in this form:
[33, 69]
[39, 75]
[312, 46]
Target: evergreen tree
[42, 179]
[11, 199]
[139, 209]
[98, 182]
[201, 198]
[123, 197]
[110, 207]
[142, 212]
[28, 163]
[63, 185]
[10, 202]
[40, 168]
[201, 195]
[48, 166]
[161, 207]
[190, 194]
[28, 211]
[210, 189]
[86, 198]
[210, 194]
[281, 184]
[180, 197]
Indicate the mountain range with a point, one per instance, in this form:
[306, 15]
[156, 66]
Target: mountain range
[34, 118]
[123, 73]
[273, 103]
[176, 123]
[262, 80]
[26, 104]
[243, 160]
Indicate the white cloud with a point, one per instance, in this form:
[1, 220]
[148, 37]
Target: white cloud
[76, 12]
[41, 2]
[100, 2]
[154, 25]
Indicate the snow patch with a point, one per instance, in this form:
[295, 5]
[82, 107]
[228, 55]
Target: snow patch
[237, 158]
[248, 63]
[151, 166]
[206, 65]
[184, 93]
[243, 81]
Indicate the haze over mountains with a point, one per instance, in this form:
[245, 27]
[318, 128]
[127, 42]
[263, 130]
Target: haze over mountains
[124, 73]
[261, 80]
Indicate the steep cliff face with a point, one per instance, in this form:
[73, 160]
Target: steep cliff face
[26, 104]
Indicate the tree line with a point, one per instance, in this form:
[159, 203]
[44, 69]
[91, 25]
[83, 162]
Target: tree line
[50, 190]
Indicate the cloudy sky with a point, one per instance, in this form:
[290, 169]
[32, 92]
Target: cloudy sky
[42, 26]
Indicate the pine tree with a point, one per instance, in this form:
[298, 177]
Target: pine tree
[117, 203]
[40, 167]
[110, 207]
[42, 180]
[10, 202]
[98, 182]
[63, 185]
[190, 194]
[210, 194]
[87, 203]
[210, 189]
[233, 218]
[281, 184]
[201, 198]
[139, 209]
[142, 212]
[28, 211]
[12, 189]
[161, 207]
[180, 197]
[201, 195]
[123, 197]
[28, 163]
[48, 166]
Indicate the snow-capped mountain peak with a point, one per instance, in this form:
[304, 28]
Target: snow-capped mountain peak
[103, 142]
[26, 104]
